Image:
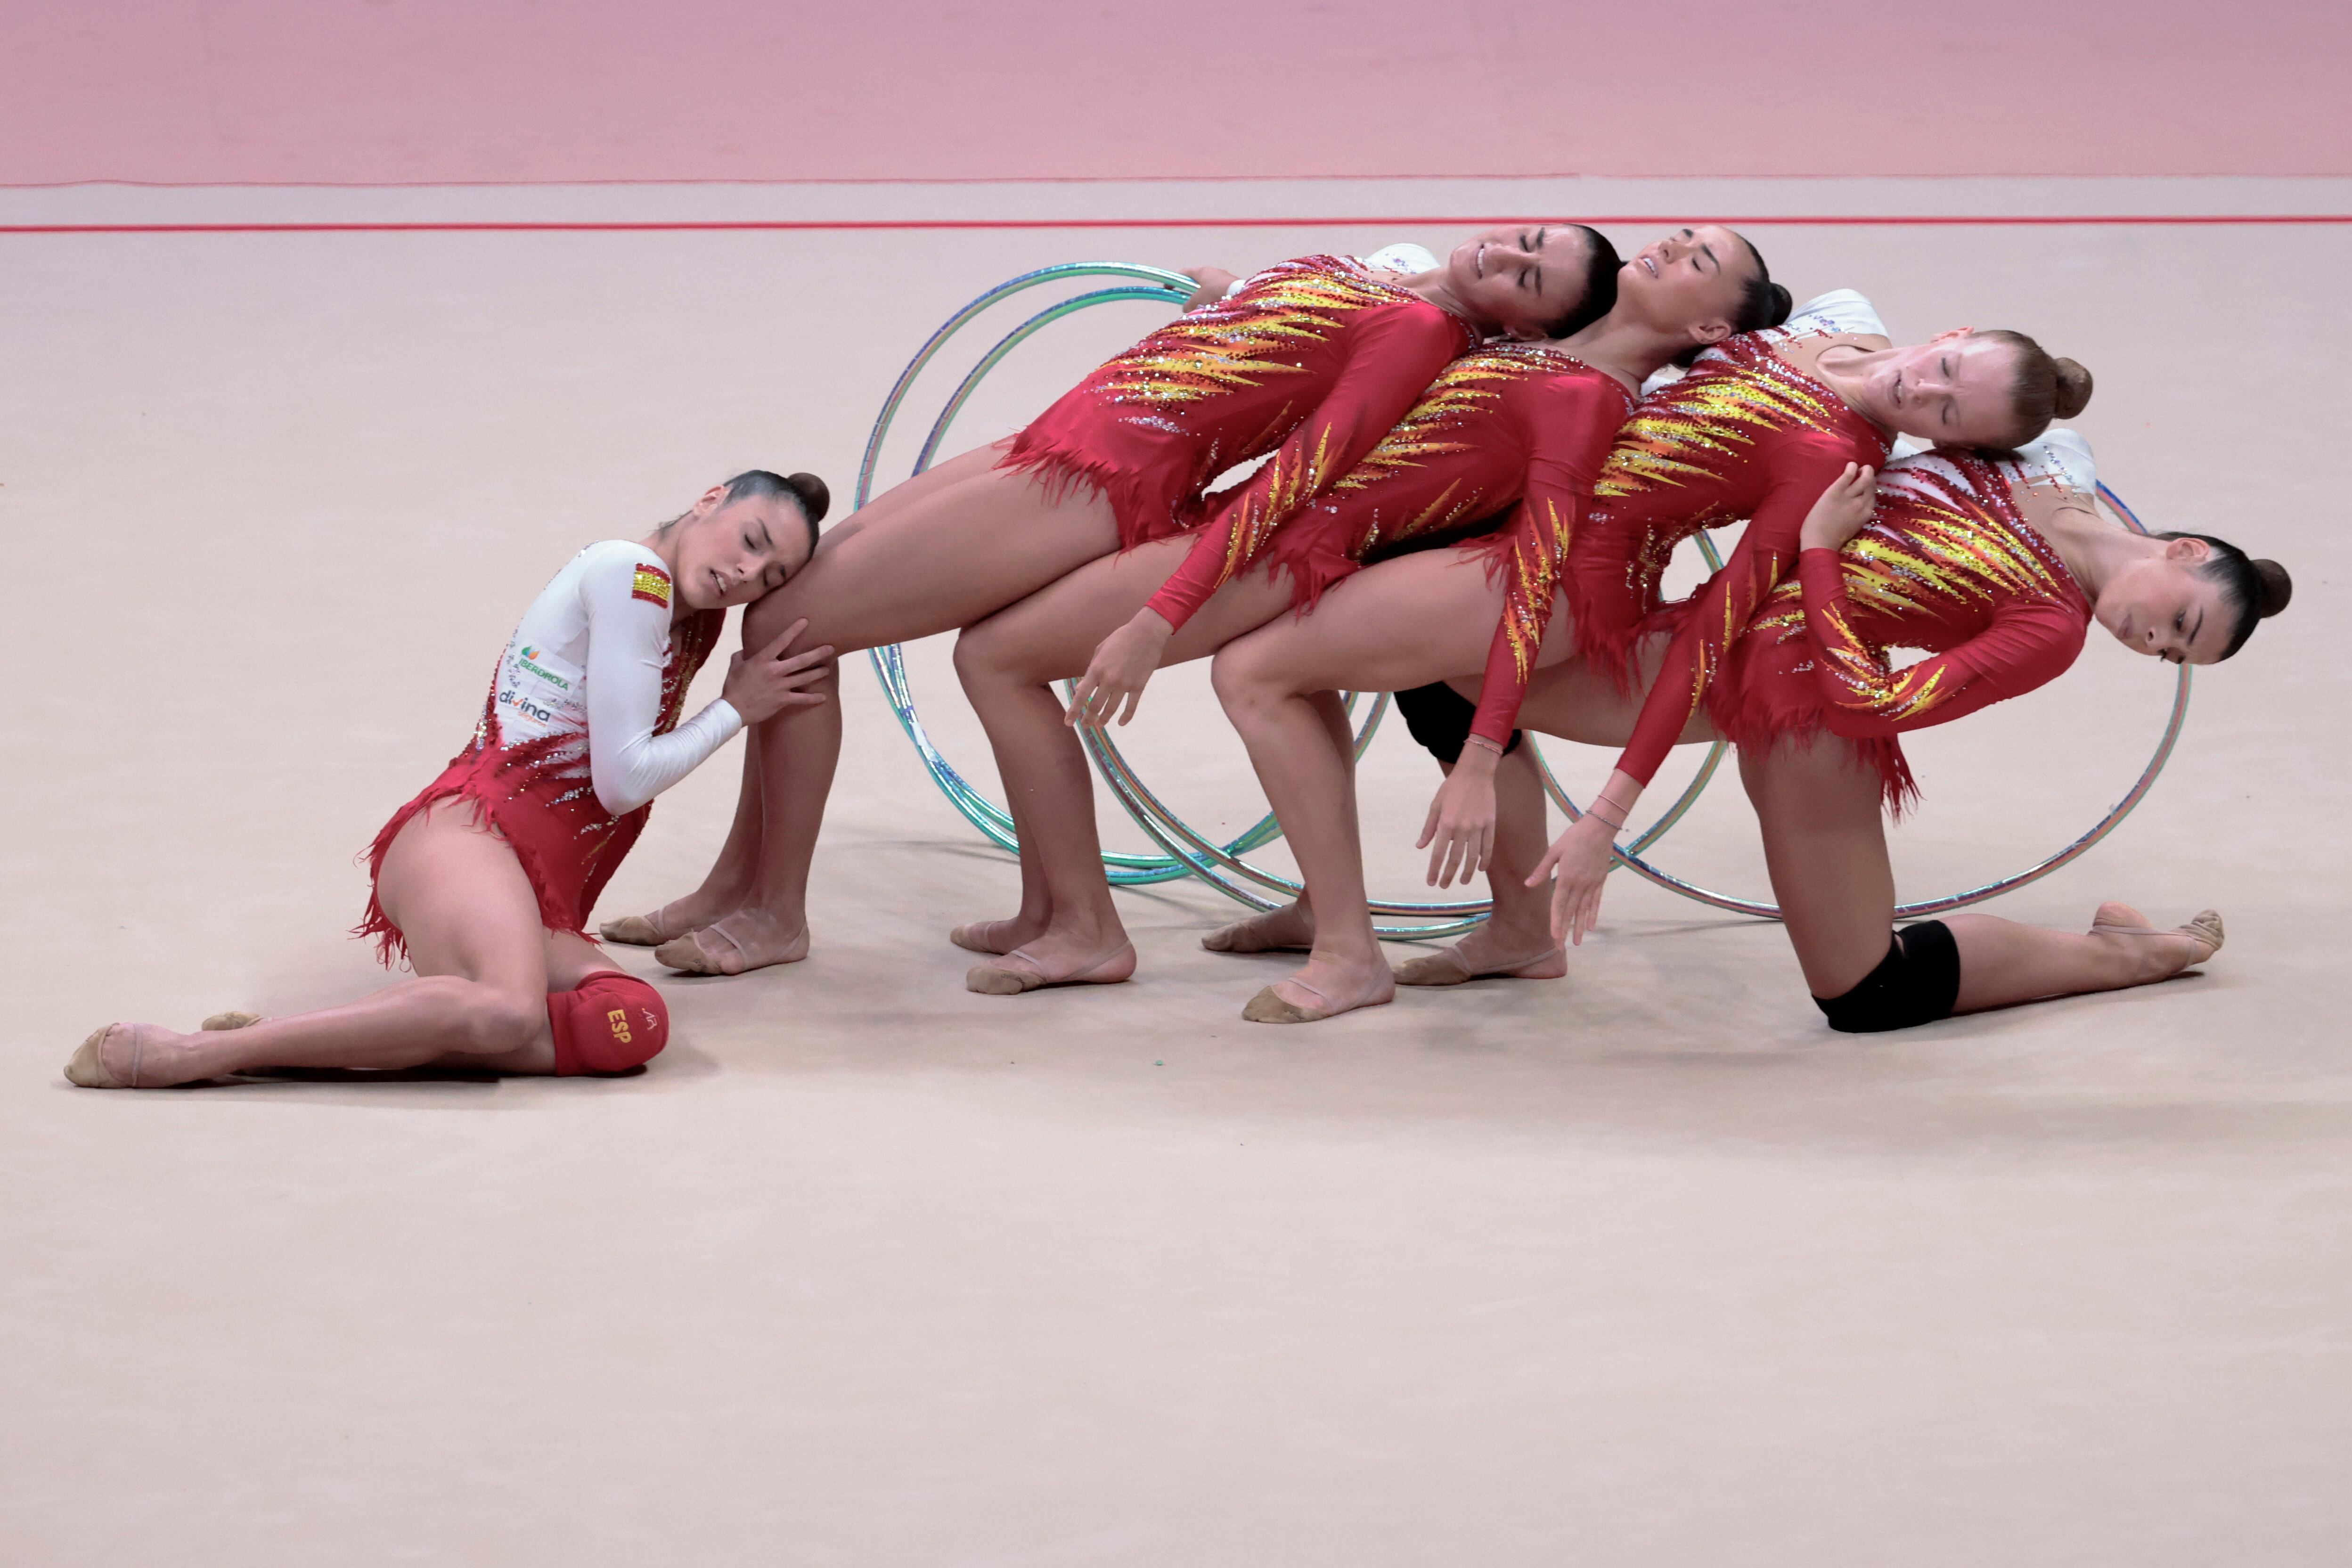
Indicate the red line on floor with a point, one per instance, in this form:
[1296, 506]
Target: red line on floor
[781, 225]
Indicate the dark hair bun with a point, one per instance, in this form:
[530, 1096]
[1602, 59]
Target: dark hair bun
[2272, 588]
[2074, 389]
[1781, 305]
[815, 499]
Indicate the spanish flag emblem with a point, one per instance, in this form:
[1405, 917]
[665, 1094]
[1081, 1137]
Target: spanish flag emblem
[652, 585]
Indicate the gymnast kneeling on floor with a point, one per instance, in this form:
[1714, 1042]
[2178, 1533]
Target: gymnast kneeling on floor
[484, 880]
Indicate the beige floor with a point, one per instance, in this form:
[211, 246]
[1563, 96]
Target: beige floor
[1645, 1267]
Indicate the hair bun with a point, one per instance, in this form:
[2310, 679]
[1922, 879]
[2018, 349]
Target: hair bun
[1782, 304]
[815, 499]
[2074, 388]
[2273, 588]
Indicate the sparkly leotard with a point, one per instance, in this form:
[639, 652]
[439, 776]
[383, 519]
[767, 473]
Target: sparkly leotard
[580, 731]
[1509, 433]
[1743, 435]
[1946, 563]
[1313, 360]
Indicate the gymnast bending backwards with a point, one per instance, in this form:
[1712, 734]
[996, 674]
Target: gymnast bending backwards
[1756, 428]
[1997, 567]
[484, 880]
[1508, 420]
[1310, 360]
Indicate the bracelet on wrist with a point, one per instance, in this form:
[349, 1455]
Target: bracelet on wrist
[1483, 744]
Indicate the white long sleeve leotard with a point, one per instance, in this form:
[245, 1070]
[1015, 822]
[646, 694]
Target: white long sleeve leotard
[588, 658]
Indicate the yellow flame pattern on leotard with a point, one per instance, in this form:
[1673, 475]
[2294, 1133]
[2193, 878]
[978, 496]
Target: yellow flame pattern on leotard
[1440, 425]
[1691, 431]
[1939, 552]
[1258, 334]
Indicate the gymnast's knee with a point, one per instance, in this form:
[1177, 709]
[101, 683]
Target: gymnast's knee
[1917, 983]
[974, 651]
[609, 1022]
[989, 653]
[489, 1022]
[1244, 676]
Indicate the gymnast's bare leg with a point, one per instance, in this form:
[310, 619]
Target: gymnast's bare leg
[484, 967]
[1447, 606]
[1825, 845]
[1068, 927]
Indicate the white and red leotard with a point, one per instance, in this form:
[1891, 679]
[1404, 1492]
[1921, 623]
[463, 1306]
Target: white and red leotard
[581, 730]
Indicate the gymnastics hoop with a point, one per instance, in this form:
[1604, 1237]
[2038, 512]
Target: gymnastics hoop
[1185, 851]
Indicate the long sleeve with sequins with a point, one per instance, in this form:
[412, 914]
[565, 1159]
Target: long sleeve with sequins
[2028, 642]
[1393, 354]
[1575, 418]
[1703, 452]
[1803, 464]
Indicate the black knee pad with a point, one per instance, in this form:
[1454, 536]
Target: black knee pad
[1917, 983]
[1439, 718]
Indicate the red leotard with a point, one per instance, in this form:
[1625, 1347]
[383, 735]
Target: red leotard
[1946, 563]
[1508, 423]
[1226, 384]
[539, 796]
[1744, 434]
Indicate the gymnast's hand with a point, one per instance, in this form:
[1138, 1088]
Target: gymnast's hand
[1577, 862]
[763, 684]
[1214, 281]
[1123, 661]
[1843, 508]
[1461, 824]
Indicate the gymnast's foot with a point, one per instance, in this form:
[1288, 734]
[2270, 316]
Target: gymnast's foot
[1000, 936]
[1326, 988]
[134, 1056]
[2166, 952]
[1486, 953]
[736, 943]
[682, 917]
[1290, 929]
[1065, 955]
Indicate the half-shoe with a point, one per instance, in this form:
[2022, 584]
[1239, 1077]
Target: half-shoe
[1249, 936]
[692, 955]
[1446, 966]
[974, 936]
[2206, 926]
[1270, 1006]
[1020, 973]
[88, 1069]
[639, 930]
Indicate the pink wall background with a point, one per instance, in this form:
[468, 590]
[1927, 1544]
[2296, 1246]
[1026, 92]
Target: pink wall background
[387, 91]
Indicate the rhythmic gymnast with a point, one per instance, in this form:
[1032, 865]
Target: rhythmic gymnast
[1755, 429]
[1508, 420]
[484, 880]
[1311, 361]
[1998, 568]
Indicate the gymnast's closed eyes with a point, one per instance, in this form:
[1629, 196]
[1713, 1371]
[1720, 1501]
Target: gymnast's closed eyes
[484, 880]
